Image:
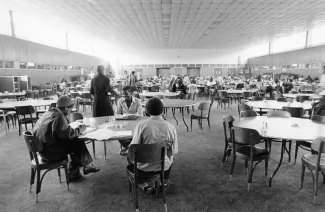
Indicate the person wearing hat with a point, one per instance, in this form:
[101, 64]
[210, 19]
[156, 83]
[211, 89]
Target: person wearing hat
[154, 130]
[59, 139]
[100, 86]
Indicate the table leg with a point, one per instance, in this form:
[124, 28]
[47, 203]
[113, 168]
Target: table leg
[283, 143]
[182, 109]
[173, 111]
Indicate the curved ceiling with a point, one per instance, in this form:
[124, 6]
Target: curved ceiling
[175, 24]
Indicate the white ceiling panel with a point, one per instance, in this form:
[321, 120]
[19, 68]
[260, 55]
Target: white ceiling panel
[184, 24]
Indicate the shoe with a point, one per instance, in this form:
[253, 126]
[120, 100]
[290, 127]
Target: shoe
[166, 185]
[90, 169]
[123, 152]
[74, 174]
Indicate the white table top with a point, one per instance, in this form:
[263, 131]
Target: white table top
[283, 128]
[12, 94]
[294, 95]
[240, 91]
[275, 105]
[151, 94]
[35, 103]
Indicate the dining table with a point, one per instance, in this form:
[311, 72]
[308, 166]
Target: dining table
[165, 94]
[275, 105]
[108, 128]
[294, 95]
[10, 105]
[12, 94]
[180, 104]
[286, 129]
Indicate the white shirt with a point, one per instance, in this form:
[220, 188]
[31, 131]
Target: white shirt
[135, 107]
[155, 130]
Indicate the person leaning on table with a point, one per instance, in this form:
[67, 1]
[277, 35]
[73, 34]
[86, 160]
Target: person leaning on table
[155, 130]
[60, 139]
[128, 104]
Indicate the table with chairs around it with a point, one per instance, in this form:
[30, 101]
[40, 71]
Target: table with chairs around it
[242, 135]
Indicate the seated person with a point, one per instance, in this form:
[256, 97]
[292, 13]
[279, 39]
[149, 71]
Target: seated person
[155, 130]
[128, 104]
[60, 139]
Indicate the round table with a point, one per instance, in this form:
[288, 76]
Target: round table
[10, 105]
[240, 91]
[294, 95]
[283, 128]
[275, 105]
[152, 94]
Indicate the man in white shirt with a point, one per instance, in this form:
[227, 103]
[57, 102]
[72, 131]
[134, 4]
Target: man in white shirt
[155, 130]
[128, 104]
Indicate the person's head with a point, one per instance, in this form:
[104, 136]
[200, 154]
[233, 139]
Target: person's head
[127, 92]
[65, 105]
[154, 107]
[100, 69]
[133, 72]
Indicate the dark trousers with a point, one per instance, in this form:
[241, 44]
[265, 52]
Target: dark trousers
[76, 147]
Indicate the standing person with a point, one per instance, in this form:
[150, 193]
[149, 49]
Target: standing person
[133, 79]
[100, 86]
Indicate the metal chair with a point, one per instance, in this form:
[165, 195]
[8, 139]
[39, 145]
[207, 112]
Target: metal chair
[37, 164]
[314, 163]
[146, 153]
[248, 152]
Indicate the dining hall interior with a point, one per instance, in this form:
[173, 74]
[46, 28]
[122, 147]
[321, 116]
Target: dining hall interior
[162, 105]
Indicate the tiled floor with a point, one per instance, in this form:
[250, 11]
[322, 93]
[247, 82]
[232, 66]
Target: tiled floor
[198, 182]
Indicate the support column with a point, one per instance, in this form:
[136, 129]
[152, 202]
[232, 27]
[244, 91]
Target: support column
[270, 47]
[67, 41]
[308, 41]
[13, 33]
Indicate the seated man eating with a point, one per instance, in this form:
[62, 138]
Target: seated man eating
[60, 139]
[128, 105]
[154, 130]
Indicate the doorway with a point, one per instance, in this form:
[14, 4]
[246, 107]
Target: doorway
[163, 72]
[193, 72]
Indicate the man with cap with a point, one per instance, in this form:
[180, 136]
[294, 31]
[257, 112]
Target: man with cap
[60, 139]
[100, 86]
[155, 130]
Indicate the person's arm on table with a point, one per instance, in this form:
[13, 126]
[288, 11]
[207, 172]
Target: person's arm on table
[63, 130]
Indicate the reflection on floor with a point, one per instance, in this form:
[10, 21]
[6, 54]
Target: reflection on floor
[198, 183]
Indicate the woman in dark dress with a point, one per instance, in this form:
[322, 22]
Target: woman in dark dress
[100, 86]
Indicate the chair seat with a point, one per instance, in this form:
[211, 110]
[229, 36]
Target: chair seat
[28, 120]
[304, 143]
[198, 115]
[245, 151]
[142, 174]
[48, 164]
[312, 159]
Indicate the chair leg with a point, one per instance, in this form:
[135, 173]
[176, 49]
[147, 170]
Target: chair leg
[302, 176]
[232, 164]
[59, 173]
[19, 126]
[38, 183]
[266, 169]
[136, 201]
[163, 192]
[315, 188]
[289, 151]
[26, 127]
[66, 176]
[130, 186]
[191, 124]
[250, 175]
[105, 149]
[209, 123]
[224, 155]
[93, 142]
[296, 152]
[32, 179]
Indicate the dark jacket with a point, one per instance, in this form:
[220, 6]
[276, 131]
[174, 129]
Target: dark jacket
[100, 86]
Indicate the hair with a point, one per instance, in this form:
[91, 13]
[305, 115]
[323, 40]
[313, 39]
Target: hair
[127, 88]
[100, 69]
[155, 107]
[133, 72]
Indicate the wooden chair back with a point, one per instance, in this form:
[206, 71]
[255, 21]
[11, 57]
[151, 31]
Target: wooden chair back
[147, 153]
[227, 126]
[74, 95]
[223, 94]
[247, 94]
[282, 114]
[245, 136]
[294, 111]
[33, 145]
[318, 146]
[318, 118]
[25, 110]
[302, 98]
[282, 99]
[257, 98]
[248, 113]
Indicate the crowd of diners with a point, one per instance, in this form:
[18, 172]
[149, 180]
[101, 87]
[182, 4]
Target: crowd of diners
[60, 139]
